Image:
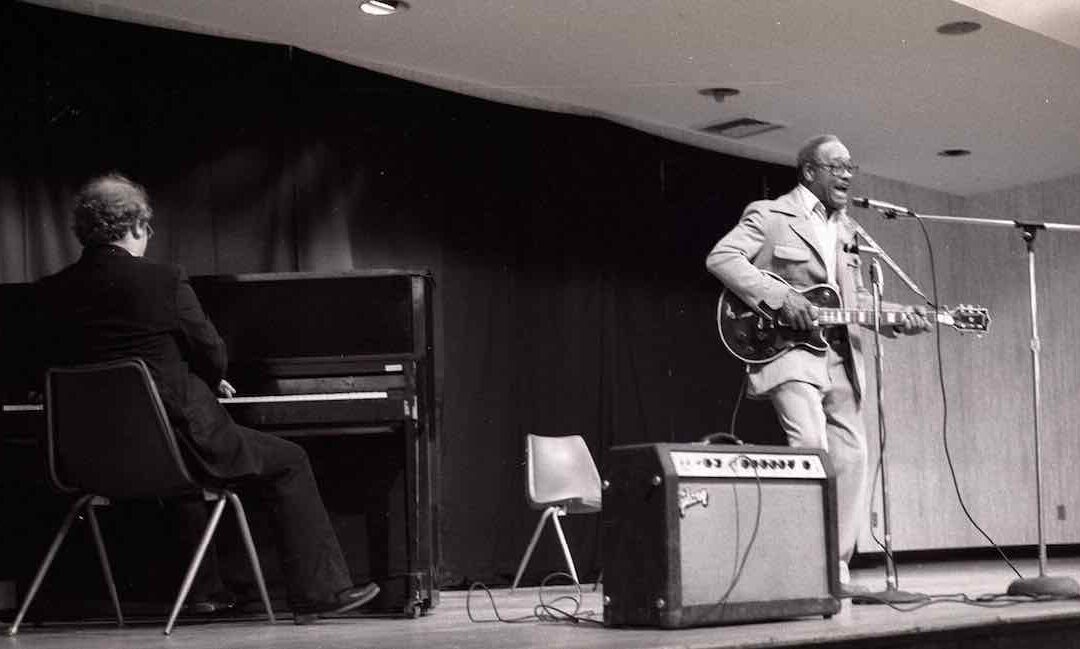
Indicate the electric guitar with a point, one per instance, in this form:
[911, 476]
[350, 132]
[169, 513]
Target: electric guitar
[759, 336]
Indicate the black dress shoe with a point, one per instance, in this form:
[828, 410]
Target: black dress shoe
[346, 600]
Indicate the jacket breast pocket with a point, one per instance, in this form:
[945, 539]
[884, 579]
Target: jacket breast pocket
[791, 254]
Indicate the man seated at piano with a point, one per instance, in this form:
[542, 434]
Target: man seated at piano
[114, 303]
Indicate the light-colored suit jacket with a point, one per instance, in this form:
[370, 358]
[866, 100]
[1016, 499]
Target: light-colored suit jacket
[778, 236]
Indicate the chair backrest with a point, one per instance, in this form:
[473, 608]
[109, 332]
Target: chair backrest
[108, 433]
[561, 471]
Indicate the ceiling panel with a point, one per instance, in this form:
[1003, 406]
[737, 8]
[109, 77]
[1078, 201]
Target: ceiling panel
[874, 72]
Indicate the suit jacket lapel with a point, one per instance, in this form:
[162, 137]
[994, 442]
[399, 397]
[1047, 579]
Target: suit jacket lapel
[800, 222]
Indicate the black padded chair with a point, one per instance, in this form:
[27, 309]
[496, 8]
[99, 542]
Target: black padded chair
[108, 438]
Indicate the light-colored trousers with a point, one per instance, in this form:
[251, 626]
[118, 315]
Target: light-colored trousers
[829, 418]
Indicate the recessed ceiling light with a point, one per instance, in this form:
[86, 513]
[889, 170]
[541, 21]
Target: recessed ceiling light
[383, 7]
[719, 94]
[959, 27]
[953, 153]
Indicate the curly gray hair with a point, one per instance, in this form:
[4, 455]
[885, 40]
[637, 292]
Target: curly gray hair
[107, 207]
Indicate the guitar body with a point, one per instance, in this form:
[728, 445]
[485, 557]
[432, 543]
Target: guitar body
[757, 337]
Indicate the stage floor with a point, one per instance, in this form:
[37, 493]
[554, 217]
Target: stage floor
[946, 624]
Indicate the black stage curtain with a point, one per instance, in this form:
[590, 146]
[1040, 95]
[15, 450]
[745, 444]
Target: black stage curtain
[571, 295]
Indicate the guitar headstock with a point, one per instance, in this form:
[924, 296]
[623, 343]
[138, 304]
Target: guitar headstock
[967, 318]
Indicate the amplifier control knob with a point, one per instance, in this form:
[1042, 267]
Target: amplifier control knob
[657, 481]
[605, 485]
[660, 603]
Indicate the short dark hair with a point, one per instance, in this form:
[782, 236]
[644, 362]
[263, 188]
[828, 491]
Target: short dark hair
[107, 207]
[808, 152]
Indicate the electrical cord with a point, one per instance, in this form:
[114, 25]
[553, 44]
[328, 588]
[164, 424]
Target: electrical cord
[945, 406]
[730, 437]
[738, 402]
[544, 611]
[740, 564]
[879, 467]
[996, 600]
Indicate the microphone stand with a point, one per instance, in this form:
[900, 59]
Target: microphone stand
[892, 593]
[1043, 586]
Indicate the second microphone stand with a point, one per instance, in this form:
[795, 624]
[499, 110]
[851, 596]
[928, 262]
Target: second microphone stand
[892, 593]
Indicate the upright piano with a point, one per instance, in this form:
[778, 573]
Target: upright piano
[343, 364]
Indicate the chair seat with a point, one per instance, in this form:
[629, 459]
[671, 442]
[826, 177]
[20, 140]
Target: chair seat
[583, 505]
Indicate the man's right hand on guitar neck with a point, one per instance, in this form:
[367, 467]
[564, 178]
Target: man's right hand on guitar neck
[798, 312]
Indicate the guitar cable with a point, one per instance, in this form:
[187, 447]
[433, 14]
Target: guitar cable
[738, 402]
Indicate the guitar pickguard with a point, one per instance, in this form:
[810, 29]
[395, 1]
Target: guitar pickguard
[760, 336]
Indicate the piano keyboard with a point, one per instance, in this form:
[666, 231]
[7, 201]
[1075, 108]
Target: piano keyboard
[296, 398]
[23, 407]
[270, 398]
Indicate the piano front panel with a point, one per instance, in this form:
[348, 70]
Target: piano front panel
[330, 410]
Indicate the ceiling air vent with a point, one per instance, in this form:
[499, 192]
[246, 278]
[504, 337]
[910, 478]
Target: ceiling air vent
[742, 127]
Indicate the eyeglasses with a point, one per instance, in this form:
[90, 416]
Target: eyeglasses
[839, 168]
[149, 229]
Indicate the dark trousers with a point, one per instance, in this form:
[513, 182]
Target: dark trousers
[311, 558]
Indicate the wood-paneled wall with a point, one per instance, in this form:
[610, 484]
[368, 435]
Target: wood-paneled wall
[985, 415]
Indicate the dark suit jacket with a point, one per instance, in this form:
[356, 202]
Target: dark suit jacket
[111, 304]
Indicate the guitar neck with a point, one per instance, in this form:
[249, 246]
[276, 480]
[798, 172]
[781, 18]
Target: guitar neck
[827, 316]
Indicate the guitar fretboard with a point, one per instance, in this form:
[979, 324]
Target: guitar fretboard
[859, 316]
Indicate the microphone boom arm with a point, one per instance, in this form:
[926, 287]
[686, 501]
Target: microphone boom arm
[884, 256]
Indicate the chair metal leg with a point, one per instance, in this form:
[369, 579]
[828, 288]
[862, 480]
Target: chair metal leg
[532, 545]
[196, 561]
[565, 547]
[249, 543]
[103, 557]
[47, 561]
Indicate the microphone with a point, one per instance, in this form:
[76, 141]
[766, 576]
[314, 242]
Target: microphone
[888, 209]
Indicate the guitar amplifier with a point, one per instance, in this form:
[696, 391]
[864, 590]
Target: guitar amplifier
[698, 535]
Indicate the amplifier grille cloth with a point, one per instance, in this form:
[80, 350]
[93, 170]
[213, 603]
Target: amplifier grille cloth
[787, 558]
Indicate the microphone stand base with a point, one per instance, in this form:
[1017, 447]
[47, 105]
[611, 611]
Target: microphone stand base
[890, 596]
[1045, 587]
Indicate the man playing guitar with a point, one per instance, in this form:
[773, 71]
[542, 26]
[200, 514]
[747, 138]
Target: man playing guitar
[801, 239]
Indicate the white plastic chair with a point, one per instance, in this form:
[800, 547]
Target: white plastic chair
[561, 479]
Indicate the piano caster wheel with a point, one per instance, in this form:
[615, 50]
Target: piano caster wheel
[413, 612]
